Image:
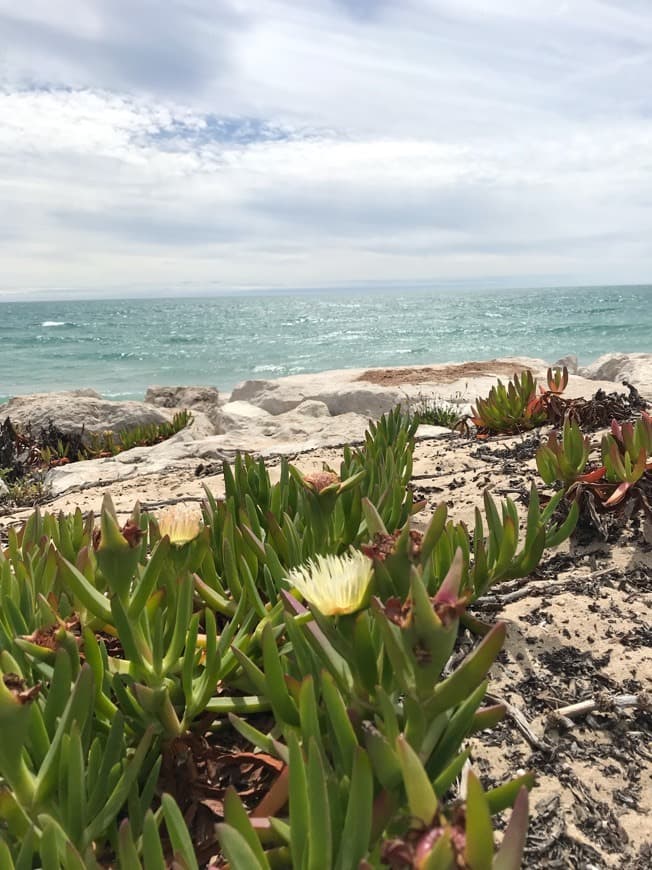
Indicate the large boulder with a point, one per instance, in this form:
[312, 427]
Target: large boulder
[337, 390]
[570, 361]
[204, 399]
[275, 397]
[72, 410]
[635, 368]
[313, 408]
[241, 415]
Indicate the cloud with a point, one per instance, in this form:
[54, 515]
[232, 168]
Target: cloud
[284, 144]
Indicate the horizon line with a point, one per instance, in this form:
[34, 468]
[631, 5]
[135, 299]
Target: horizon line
[482, 286]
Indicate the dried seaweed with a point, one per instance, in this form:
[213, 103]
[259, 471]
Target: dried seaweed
[596, 412]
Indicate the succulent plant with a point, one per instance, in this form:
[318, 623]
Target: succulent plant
[120, 640]
[564, 459]
[557, 380]
[368, 725]
[510, 409]
[625, 469]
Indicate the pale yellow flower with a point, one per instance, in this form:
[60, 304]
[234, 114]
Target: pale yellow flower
[334, 585]
[180, 524]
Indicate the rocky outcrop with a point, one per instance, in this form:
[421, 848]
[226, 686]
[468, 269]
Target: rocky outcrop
[72, 410]
[290, 415]
[635, 368]
[241, 415]
[337, 390]
[374, 392]
[571, 362]
[204, 399]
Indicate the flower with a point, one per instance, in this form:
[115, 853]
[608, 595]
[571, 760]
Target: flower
[180, 524]
[334, 584]
[320, 480]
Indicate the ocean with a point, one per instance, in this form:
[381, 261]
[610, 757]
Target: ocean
[120, 347]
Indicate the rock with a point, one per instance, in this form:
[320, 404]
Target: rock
[367, 399]
[200, 426]
[298, 413]
[70, 411]
[204, 399]
[238, 415]
[313, 408]
[258, 430]
[339, 392]
[275, 397]
[426, 431]
[570, 361]
[635, 368]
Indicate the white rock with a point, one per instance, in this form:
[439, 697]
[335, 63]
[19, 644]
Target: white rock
[313, 408]
[70, 411]
[570, 361]
[337, 390]
[636, 368]
[425, 431]
[368, 399]
[275, 399]
[204, 399]
[316, 415]
[200, 426]
[240, 414]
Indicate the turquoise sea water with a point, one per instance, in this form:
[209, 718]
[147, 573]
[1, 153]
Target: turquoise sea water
[120, 347]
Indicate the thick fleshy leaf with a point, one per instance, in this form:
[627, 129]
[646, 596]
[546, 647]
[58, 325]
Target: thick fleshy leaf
[422, 799]
[479, 832]
[510, 854]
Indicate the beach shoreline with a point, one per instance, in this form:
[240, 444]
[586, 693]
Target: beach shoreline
[291, 416]
[120, 347]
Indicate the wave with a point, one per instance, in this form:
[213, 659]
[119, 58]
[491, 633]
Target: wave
[267, 368]
[54, 323]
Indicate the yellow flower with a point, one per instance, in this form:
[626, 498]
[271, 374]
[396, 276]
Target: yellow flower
[180, 524]
[334, 584]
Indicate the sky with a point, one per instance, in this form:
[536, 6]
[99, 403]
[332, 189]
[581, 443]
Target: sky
[191, 146]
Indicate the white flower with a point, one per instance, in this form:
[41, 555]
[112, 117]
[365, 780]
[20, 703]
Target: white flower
[180, 524]
[334, 584]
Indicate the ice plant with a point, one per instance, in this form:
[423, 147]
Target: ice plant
[180, 524]
[117, 549]
[320, 480]
[564, 458]
[510, 409]
[335, 585]
[557, 379]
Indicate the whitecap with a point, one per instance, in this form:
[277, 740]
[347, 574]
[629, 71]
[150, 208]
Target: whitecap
[53, 323]
[267, 368]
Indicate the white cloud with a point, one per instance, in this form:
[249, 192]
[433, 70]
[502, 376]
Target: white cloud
[285, 144]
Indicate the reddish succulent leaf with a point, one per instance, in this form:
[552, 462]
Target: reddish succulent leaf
[618, 494]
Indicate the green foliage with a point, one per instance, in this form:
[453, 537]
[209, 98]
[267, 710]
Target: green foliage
[26, 492]
[121, 643]
[625, 471]
[25, 456]
[564, 459]
[493, 554]
[110, 443]
[434, 412]
[557, 380]
[510, 409]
